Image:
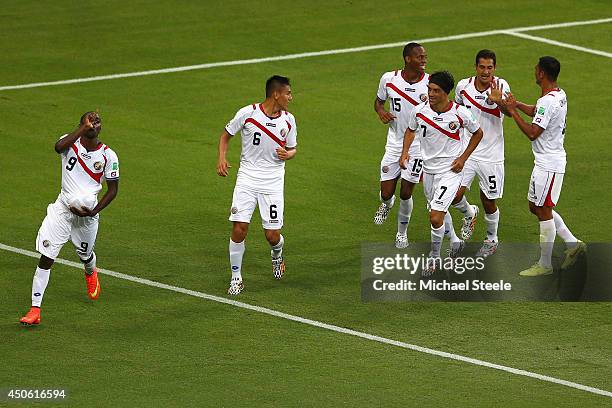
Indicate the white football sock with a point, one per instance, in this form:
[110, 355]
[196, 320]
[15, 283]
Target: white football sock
[492, 221]
[465, 207]
[39, 284]
[277, 250]
[547, 240]
[91, 265]
[236, 251]
[564, 232]
[437, 235]
[449, 229]
[389, 203]
[404, 214]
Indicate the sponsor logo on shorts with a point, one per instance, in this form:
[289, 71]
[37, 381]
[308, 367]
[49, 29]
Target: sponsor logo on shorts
[273, 221]
[98, 165]
[385, 169]
[423, 97]
[283, 132]
[234, 210]
[439, 202]
[453, 125]
[46, 243]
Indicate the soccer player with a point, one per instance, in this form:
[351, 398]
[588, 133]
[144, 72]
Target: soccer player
[547, 133]
[439, 124]
[404, 89]
[269, 138]
[481, 94]
[86, 162]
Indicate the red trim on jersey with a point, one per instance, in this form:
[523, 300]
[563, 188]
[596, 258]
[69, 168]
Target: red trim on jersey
[552, 90]
[266, 131]
[395, 73]
[254, 107]
[454, 136]
[98, 147]
[460, 120]
[105, 148]
[418, 80]
[95, 176]
[470, 81]
[494, 112]
[402, 94]
[549, 202]
[271, 117]
[288, 124]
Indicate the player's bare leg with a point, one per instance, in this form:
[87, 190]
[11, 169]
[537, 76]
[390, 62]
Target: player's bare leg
[387, 199]
[470, 213]
[491, 218]
[39, 284]
[236, 252]
[404, 213]
[276, 241]
[547, 240]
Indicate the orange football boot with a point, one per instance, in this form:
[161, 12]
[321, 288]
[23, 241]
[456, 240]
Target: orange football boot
[32, 317]
[93, 285]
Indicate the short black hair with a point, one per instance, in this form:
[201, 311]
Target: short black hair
[275, 82]
[486, 54]
[444, 80]
[551, 67]
[84, 116]
[409, 47]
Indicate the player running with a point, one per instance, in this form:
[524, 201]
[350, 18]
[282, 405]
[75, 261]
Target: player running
[404, 89]
[439, 124]
[547, 133]
[269, 138]
[482, 94]
[86, 162]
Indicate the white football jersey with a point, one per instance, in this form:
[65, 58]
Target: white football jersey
[260, 168]
[83, 171]
[550, 115]
[491, 147]
[440, 134]
[403, 98]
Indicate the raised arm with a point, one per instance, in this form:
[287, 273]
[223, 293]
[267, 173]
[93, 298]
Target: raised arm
[65, 142]
[532, 131]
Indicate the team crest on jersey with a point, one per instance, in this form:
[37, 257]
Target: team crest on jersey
[385, 169]
[423, 97]
[46, 243]
[98, 165]
[283, 132]
[453, 125]
[234, 210]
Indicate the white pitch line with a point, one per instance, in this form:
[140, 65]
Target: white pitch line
[559, 44]
[300, 55]
[323, 325]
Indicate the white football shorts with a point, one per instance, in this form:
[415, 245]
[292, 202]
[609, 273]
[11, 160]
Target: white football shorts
[60, 225]
[490, 177]
[271, 207]
[544, 187]
[440, 189]
[390, 168]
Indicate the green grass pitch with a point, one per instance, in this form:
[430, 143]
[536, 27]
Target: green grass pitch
[144, 346]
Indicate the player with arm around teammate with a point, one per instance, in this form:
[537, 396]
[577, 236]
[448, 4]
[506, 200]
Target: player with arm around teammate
[547, 134]
[86, 163]
[482, 94]
[438, 124]
[404, 89]
[269, 138]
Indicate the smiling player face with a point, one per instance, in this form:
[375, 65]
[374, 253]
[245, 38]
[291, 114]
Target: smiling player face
[485, 71]
[436, 94]
[417, 60]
